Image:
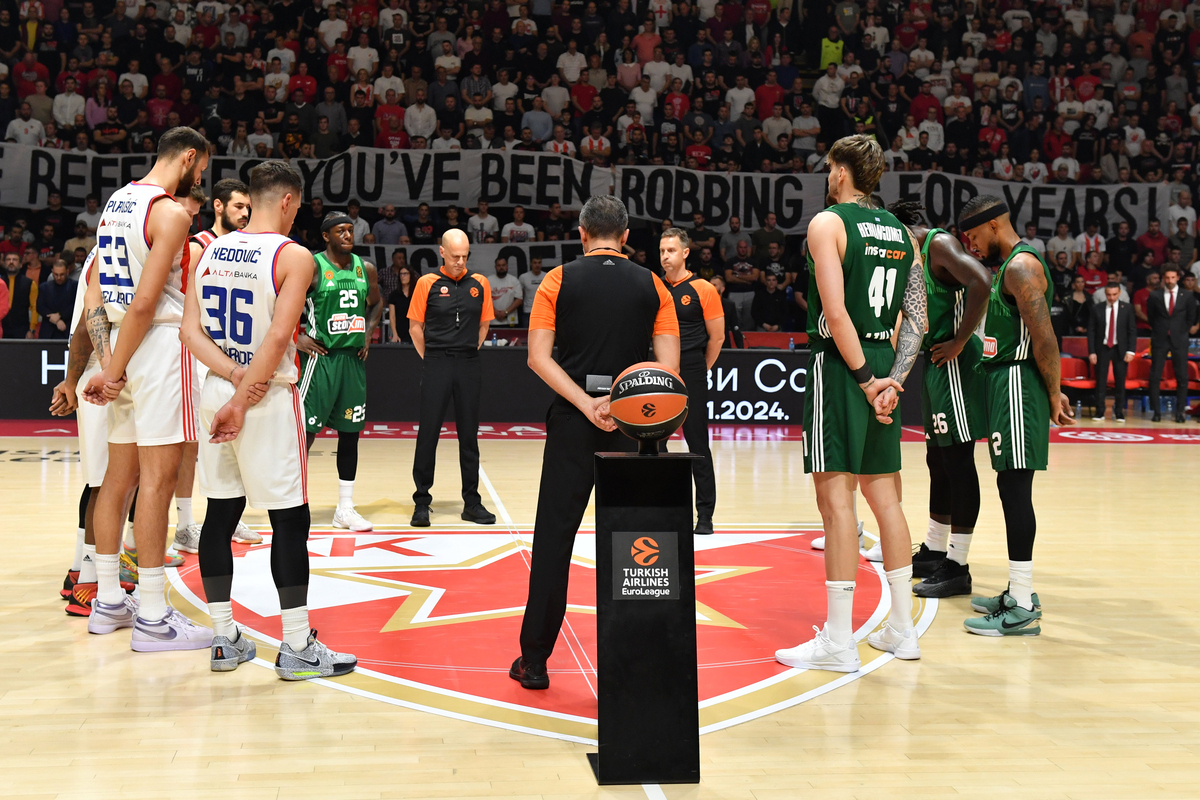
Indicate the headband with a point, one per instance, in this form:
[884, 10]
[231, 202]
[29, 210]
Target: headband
[333, 220]
[980, 217]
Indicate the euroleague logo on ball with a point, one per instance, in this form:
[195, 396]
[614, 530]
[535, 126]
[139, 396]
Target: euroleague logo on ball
[644, 551]
[648, 410]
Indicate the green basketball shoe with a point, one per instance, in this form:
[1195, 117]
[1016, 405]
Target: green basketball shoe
[1007, 620]
[989, 605]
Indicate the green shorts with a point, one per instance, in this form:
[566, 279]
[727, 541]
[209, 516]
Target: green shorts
[334, 390]
[841, 433]
[1018, 412]
[952, 398]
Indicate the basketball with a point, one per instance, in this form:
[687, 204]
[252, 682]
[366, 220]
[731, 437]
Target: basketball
[649, 402]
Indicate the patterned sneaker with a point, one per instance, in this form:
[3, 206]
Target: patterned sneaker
[172, 632]
[187, 539]
[1008, 620]
[227, 653]
[69, 584]
[347, 517]
[106, 619]
[80, 603]
[925, 561]
[314, 661]
[821, 653]
[243, 535]
[902, 645]
[129, 569]
[990, 605]
[948, 580]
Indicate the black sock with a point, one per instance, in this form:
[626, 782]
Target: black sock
[347, 455]
[289, 554]
[216, 553]
[1016, 496]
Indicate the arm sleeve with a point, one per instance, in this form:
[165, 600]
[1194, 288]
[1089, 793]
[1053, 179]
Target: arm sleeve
[545, 302]
[420, 293]
[489, 311]
[665, 322]
[710, 301]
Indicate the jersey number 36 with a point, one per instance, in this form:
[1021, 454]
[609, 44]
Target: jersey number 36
[229, 317]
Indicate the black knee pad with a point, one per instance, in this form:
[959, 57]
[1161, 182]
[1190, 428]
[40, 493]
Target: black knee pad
[289, 554]
[941, 496]
[216, 554]
[1020, 522]
[959, 462]
[347, 455]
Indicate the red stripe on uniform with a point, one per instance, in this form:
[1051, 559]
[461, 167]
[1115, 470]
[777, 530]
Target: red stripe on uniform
[189, 432]
[301, 442]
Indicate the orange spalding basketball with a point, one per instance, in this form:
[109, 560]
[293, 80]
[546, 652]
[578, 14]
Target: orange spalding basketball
[648, 402]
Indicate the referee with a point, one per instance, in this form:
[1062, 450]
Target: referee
[701, 334]
[603, 312]
[449, 315]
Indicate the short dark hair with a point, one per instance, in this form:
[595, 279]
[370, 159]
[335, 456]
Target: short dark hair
[179, 140]
[979, 203]
[678, 233]
[604, 217]
[224, 189]
[1113, 285]
[275, 176]
[1169, 268]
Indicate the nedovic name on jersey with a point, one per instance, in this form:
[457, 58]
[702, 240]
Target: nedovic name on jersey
[236, 282]
[337, 306]
[122, 250]
[879, 254]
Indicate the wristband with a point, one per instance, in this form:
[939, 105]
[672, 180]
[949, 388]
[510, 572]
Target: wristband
[863, 374]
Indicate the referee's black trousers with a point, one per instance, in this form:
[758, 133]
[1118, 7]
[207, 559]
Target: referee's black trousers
[694, 371]
[448, 375]
[568, 476]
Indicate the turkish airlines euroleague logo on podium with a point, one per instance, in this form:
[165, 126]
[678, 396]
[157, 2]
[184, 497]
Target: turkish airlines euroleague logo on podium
[645, 566]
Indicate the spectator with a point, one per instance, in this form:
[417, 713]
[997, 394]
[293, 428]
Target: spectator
[17, 323]
[1182, 210]
[1078, 305]
[420, 119]
[530, 281]
[507, 296]
[398, 300]
[1183, 241]
[741, 276]
[1139, 302]
[388, 229]
[55, 302]
[1031, 238]
[1092, 272]
[482, 225]
[25, 129]
[1064, 242]
[1154, 241]
[518, 230]
[769, 307]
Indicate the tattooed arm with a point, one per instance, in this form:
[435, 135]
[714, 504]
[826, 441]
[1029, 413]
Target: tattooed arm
[96, 319]
[908, 338]
[64, 400]
[1025, 280]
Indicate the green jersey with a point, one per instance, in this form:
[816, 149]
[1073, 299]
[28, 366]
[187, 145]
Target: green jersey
[946, 304]
[337, 305]
[1005, 337]
[879, 254]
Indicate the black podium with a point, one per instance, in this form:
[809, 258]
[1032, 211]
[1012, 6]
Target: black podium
[648, 721]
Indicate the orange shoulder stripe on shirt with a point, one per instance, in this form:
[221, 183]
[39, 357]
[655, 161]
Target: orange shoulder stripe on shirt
[710, 301]
[488, 312]
[666, 323]
[420, 293]
[545, 302]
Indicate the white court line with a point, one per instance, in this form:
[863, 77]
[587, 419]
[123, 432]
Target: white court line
[654, 791]
[515, 534]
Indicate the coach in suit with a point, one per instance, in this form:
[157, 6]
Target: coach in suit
[1112, 339]
[1174, 315]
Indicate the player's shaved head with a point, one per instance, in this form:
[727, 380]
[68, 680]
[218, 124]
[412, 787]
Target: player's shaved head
[455, 248]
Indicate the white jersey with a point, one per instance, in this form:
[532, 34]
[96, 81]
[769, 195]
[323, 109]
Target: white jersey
[122, 251]
[80, 297]
[236, 281]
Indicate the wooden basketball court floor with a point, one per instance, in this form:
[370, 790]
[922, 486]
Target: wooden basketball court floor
[1104, 704]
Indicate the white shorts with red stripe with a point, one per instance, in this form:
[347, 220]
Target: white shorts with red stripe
[268, 461]
[193, 382]
[149, 410]
[93, 432]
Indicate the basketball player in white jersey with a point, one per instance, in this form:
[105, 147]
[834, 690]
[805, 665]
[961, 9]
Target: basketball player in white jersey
[136, 303]
[248, 291]
[231, 204]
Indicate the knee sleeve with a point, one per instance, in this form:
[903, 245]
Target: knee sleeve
[940, 495]
[216, 555]
[347, 455]
[289, 554]
[1016, 496]
[959, 462]
[83, 504]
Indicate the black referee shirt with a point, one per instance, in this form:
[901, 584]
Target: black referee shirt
[696, 302]
[451, 309]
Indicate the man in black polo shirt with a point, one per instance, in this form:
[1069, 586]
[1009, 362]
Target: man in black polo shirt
[701, 334]
[449, 315]
[603, 312]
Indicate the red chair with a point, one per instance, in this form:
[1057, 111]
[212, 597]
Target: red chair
[1075, 346]
[1138, 377]
[1076, 374]
[1193, 376]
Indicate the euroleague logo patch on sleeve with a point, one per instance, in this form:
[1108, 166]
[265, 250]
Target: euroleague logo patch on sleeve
[474, 291]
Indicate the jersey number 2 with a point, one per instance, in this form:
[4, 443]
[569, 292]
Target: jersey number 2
[877, 295]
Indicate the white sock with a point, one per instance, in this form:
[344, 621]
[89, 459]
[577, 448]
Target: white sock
[87, 565]
[935, 539]
[295, 627]
[345, 494]
[960, 545]
[108, 579]
[1020, 583]
[183, 510]
[79, 534]
[152, 603]
[130, 542]
[221, 615]
[900, 583]
[838, 626]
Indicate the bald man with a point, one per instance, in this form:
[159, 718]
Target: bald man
[448, 318]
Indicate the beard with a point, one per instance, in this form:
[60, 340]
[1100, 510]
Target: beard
[232, 225]
[188, 180]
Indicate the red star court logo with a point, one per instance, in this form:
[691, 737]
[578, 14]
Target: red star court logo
[434, 620]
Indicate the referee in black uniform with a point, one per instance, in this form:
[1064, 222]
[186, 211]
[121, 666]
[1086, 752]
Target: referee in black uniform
[603, 312]
[449, 314]
[701, 334]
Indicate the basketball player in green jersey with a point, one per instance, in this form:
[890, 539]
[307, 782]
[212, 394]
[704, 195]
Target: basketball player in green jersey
[1021, 372]
[952, 403]
[863, 276]
[343, 310]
